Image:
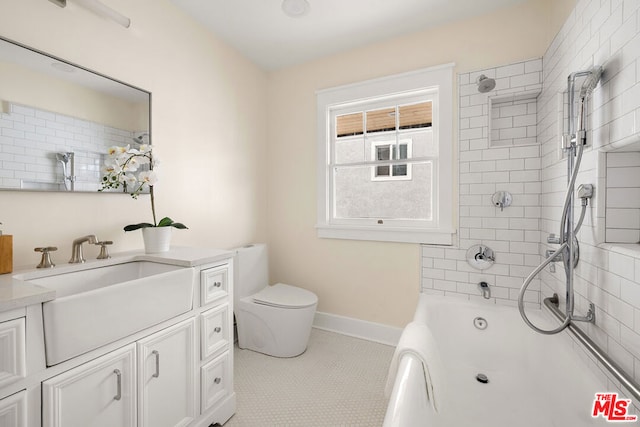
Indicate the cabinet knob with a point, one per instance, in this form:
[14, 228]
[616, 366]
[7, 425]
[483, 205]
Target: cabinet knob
[217, 284]
[217, 380]
[217, 329]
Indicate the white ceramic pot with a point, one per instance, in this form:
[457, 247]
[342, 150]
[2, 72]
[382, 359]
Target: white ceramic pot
[156, 239]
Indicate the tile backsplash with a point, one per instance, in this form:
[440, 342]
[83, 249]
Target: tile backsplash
[31, 137]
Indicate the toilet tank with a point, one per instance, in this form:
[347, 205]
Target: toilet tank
[251, 270]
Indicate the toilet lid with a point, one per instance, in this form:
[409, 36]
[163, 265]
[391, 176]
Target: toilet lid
[281, 295]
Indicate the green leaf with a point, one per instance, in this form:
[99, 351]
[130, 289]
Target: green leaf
[168, 222]
[132, 227]
[165, 222]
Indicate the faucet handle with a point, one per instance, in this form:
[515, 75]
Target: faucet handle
[46, 262]
[104, 253]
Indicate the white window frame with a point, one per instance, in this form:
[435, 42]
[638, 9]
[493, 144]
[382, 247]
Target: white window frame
[439, 230]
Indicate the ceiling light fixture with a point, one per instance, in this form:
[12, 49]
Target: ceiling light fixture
[99, 8]
[295, 8]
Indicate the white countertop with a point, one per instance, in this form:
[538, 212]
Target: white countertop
[17, 292]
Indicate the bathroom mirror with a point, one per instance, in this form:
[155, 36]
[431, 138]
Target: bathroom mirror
[58, 119]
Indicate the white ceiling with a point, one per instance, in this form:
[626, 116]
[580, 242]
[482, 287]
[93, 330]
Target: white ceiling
[263, 33]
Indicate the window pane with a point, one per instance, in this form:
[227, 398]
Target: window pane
[399, 170]
[383, 152]
[381, 120]
[350, 150]
[358, 197]
[402, 151]
[382, 170]
[349, 124]
[416, 115]
[422, 144]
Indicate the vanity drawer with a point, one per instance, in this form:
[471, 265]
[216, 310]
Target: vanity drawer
[216, 381]
[214, 284]
[12, 349]
[214, 330]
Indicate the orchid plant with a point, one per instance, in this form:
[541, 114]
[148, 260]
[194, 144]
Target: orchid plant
[132, 169]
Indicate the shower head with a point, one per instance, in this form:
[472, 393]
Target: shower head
[63, 157]
[140, 138]
[591, 81]
[485, 84]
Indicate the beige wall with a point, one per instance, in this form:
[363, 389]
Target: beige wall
[369, 280]
[208, 125]
[21, 85]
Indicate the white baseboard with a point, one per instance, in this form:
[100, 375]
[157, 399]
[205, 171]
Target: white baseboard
[357, 328]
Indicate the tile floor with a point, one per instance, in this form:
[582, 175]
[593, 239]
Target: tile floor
[338, 381]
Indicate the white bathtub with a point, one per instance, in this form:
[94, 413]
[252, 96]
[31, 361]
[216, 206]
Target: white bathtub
[534, 380]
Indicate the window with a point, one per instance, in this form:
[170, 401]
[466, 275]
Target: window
[385, 159]
[387, 150]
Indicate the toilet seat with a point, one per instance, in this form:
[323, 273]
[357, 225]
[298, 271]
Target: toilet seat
[285, 296]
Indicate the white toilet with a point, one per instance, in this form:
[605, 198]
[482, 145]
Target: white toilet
[274, 320]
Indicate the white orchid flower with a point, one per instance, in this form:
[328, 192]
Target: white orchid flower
[132, 164]
[148, 177]
[117, 151]
[129, 179]
[110, 168]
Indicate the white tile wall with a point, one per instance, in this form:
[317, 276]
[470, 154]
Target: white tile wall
[623, 197]
[603, 32]
[513, 233]
[513, 121]
[30, 137]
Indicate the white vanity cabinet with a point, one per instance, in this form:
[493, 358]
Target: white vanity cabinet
[100, 393]
[167, 377]
[175, 371]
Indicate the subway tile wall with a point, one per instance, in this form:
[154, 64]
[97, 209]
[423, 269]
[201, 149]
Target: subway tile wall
[622, 212]
[513, 232]
[513, 120]
[30, 139]
[605, 32]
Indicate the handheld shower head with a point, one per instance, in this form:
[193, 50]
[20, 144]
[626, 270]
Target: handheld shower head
[140, 138]
[485, 84]
[62, 157]
[591, 81]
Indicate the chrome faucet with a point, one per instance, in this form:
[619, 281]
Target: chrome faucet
[77, 257]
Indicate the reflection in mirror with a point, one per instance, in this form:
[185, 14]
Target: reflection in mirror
[57, 121]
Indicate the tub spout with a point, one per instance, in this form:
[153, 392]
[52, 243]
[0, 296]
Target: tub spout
[484, 289]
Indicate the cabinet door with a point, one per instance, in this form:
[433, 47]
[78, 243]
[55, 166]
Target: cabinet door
[100, 393]
[166, 377]
[13, 410]
[12, 351]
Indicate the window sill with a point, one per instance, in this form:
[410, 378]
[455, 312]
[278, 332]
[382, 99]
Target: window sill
[387, 234]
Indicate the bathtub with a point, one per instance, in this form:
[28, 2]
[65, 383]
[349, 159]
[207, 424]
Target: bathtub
[534, 380]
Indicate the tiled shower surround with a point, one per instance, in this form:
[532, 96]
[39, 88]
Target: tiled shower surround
[31, 137]
[604, 32]
[513, 232]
